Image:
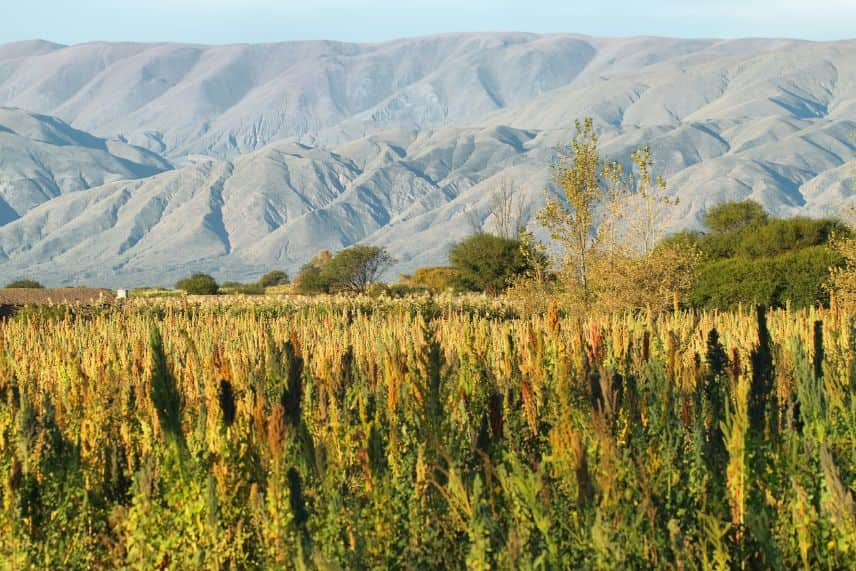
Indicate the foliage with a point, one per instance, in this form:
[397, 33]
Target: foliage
[198, 284]
[637, 209]
[656, 281]
[311, 279]
[843, 277]
[27, 284]
[607, 223]
[764, 239]
[485, 262]
[734, 216]
[571, 218]
[788, 235]
[397, 290]
[536, 290]
[274, 278]
[750, 257]
[795, 278]
[154, 292]
[352, 433]
[355, 268]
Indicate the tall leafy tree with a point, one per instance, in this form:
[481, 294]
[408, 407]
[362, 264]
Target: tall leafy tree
[571, 218]
[607, 221]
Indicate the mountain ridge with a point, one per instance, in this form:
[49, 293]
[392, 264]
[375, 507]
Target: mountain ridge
[402, 143]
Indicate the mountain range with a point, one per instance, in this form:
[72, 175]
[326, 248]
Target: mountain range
[136, 164]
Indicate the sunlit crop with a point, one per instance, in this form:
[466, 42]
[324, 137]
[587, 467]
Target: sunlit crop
[425, 433]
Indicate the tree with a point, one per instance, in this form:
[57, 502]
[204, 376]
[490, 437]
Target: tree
[750, 257]
[198, 284]
[769, 237]
[25, 284]
[357, 267]
[638, 207]
[274, 278]
[608, 222]
[352, 269]
[733, 216]
[487, 263]
[780, 236]
[578, 171]
[763, 237]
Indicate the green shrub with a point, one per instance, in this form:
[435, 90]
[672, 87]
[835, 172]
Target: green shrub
[25, 284]
[797, 278]
[377, 290]
[153, 292]
[274, 278]
[405, 290]
[756, 236]
[353, 269]
[752, 258]
[780, 236]
[487, 263]
[198, 284]
[395, 291]
[311, 280]
[734, 216]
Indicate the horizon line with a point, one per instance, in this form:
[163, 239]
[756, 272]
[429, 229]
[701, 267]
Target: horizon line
[431, 36]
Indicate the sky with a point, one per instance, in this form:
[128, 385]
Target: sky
[257, 21]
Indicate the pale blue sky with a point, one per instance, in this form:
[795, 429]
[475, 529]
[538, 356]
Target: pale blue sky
[233, 21]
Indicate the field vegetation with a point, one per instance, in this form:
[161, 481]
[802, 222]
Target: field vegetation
[425, 433]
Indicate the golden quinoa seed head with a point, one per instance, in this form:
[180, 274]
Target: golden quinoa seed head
[348, 432]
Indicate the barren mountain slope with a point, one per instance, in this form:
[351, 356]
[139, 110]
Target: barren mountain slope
[42, 157]
[317, 145]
